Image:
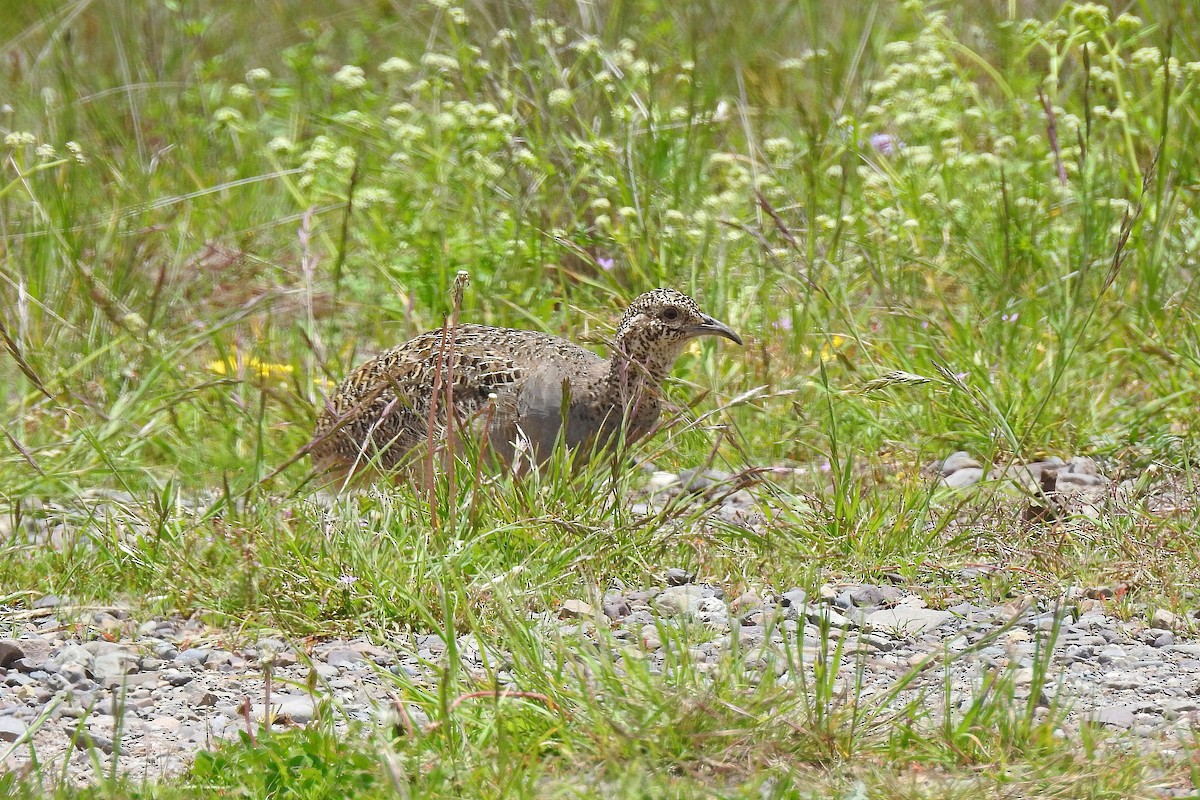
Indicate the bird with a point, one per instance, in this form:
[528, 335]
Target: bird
[514, 388]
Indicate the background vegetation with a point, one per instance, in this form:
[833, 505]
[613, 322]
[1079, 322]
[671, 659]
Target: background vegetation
[209, 213]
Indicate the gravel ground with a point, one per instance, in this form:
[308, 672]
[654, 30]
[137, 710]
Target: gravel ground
[155, 692]
[92, 684]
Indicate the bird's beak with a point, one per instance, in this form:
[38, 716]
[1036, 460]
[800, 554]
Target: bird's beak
[713, 327]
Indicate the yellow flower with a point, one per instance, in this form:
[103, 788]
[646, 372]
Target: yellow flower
[251, 364]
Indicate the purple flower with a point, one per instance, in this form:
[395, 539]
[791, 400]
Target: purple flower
[346, 581]
[783, 324]
[605, 263]
[1009, 317]
[886, 144]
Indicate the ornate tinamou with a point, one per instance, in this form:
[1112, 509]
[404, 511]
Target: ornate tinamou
[511, 382]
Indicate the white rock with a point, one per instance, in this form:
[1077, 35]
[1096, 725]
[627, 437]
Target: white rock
[680, 600]
[908, 620]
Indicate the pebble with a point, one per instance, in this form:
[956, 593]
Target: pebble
[958, 462]
[345, 656]
[907, 620]
[572, 609]
[678, 577]
[193, 655]
[75, 654]
[1112, 716]
[747, 601]
[1165, 619]
[681, 600]
[961, 479]
[695, 481]
[286, 708]
[793, 598]
[10, 652]
[114, 665]
[617, 608]
[12, 729]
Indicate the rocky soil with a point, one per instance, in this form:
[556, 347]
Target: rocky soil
[153, 692]
[88, 685]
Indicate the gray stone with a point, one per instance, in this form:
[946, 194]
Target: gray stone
[193, 655]
[176, 677]
[866, 596]
[1122, 680]
[217, 658]
[165, 724]
[47, 601]
[616, 608]
[679, 577]
[86, 740]
[825, 615]
[73, 673]
[961, 479]
[12, 729]
[11, 651]
[75, 654]
[793, 597]
[1188, 649]
[1112, 716]
[570, 609]
[295, 708]
[1082, 465]
[751, 635]
[1044, 622]
[1165, 619]
[100, 647]
[681, 600]
[165, 650]
[1072, 480]
[907, 620]
[1163, 640]
[958, 462]
[114, 665]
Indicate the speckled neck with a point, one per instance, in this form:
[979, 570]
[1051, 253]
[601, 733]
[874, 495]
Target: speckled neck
[637, 368]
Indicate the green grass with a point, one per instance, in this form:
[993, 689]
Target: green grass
[207, 217]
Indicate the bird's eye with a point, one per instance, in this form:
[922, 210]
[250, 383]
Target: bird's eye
[670, 313]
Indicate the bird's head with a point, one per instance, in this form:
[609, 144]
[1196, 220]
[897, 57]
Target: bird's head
[660, 322]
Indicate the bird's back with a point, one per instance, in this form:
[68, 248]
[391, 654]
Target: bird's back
[385, 402]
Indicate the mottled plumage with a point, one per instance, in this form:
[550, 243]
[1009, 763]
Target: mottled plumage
[513, 381]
